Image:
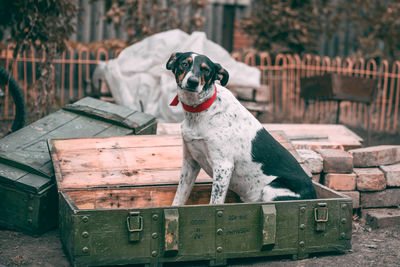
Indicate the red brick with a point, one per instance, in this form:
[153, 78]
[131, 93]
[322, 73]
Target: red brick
[370, 179]
[387, 198]
[392, 174]
[355, 196]
[336, 160]
[375, 156]
[380, 218]
[340, 181]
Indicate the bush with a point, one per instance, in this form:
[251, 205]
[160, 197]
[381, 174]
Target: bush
[45, 25]
[295, 26]
[284, 26]
[141, 18]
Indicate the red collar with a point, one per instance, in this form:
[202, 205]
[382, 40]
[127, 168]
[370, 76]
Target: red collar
[199, 108]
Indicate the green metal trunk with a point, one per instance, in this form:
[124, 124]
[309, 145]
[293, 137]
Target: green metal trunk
[133, 223]
[204, 232]
[28, 195]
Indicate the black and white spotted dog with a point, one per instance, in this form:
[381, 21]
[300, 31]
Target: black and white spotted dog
[223, 138]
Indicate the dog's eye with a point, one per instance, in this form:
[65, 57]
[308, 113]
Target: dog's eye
[205, 70]
[184, 64]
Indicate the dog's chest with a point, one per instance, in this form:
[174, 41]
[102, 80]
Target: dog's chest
[197, 145]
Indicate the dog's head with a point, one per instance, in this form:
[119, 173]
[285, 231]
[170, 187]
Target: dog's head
[195, 72]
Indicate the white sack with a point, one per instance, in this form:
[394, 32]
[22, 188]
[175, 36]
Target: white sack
[139, 73]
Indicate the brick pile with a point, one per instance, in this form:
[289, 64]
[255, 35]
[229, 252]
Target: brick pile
[370, 176]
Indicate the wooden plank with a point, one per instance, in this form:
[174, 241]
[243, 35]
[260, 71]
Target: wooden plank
[122, 161]
[338, 136]
[115, 165]
[23, 178]
[85, 16]
[141, 197]
[30, 181]
[115, 130]
[117, 178]
[114, 159]
[35, 131]
[98, 10]
[26, 160]
[116, 142]
[9, 173]
[139, 121]
[110, 112]
[79, 127]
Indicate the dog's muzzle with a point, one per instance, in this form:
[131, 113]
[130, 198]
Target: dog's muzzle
[192, 83]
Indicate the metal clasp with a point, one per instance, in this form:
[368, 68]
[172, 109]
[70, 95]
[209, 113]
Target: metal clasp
[134, 223]
[139, 222]
[321, 217]
[321, 213]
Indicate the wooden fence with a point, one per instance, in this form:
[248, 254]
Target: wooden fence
[220, 17]
[74, 69]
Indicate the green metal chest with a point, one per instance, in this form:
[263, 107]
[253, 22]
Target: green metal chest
[115, 208]
[28, 195]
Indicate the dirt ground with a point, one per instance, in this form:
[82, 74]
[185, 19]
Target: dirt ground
[380, 247]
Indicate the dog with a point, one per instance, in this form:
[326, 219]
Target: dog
[224, 139]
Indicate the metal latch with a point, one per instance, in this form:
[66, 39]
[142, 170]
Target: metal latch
[321, 216]
[134, 222]
[171, 234]
[268, 226]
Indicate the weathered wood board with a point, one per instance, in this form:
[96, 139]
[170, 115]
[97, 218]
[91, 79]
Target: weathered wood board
[118, 161]
[310, 136]
[28, 197]
[115, 208]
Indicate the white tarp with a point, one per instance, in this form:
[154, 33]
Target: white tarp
[139, 73]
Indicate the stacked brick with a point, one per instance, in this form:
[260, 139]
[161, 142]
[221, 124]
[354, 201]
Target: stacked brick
[338, 173]
[378, 172]
[370, 176]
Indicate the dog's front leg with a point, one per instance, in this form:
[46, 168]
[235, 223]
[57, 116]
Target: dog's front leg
[189, 171]
[221, 178]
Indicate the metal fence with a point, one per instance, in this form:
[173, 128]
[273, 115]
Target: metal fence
[73, 72]
[281, 74]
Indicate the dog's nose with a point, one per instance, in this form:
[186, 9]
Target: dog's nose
[193, 81]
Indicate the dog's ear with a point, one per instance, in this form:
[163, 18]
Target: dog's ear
[171, 61]
[221, 74]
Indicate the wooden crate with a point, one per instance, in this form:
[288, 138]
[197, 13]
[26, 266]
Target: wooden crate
[28, 196]
[115, 208]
